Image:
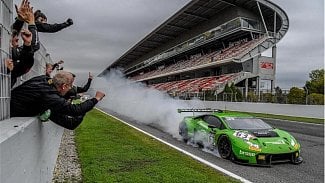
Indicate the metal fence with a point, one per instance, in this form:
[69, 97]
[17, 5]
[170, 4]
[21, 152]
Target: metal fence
[41, 58]
[6, 19]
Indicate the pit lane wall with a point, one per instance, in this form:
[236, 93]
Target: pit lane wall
[28, 150]
[308, 111]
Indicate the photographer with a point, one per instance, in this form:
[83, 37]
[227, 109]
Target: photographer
[49, 67]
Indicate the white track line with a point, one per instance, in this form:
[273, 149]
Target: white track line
[183, 151]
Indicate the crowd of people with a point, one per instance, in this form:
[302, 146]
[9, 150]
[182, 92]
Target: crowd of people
[49, 97]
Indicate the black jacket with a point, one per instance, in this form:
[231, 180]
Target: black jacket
[41, 27]
[76, 89]
[18, 25]
[69, 122]
[23, 56]
[23, 60]
[50, 28]
[38, 94]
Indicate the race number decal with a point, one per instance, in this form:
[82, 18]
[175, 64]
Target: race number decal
[243, 135]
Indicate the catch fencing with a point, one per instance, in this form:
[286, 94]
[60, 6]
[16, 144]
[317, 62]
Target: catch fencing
[41, 58]
[6, 20]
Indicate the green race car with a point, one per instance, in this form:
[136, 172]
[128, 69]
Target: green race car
[239, 137]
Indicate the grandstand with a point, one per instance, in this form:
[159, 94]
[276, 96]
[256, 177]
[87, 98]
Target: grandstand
[206, 45]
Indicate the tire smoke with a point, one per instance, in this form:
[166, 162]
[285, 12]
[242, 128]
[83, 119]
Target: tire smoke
[138, 102]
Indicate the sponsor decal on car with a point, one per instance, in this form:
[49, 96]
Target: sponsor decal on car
[246, 153]
[253, 147]
[279, 142]
[243, 135]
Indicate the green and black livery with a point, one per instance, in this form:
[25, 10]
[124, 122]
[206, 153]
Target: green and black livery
[239, 137]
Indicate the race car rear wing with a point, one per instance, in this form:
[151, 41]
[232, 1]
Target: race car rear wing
[199, 110]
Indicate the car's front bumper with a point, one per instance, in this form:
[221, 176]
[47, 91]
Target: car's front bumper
[264, 159]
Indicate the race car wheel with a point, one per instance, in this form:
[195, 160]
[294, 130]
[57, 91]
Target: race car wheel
[184, 134]
[224, 147]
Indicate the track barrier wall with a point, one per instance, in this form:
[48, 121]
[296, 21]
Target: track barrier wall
[308, 111]
[28, 150]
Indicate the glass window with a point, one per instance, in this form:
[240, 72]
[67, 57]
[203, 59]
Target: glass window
[251, 24]
[238, 123]
[212, 120]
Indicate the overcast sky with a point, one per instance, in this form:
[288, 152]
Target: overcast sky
[104, 30]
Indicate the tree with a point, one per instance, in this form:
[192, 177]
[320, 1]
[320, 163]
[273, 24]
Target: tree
[239, 94]
[227, 92]
[316, 99]
[267, 97]
[296, 96]
[232, 93]
[316, 83]
[279, 95]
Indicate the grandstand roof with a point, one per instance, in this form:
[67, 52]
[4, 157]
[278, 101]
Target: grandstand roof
[197, 12]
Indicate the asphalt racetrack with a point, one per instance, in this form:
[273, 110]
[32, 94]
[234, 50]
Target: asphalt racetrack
[310, 136]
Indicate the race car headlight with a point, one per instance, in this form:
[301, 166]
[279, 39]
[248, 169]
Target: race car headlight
[296, 146]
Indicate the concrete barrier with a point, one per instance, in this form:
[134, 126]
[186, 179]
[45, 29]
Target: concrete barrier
[309, 111]
[28, 150]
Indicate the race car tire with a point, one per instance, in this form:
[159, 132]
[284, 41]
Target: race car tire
[184, 134]
[224, 147]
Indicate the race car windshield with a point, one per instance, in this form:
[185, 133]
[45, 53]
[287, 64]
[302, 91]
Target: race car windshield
[236, 123]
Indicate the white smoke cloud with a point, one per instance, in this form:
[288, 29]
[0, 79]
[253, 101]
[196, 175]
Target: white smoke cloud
[137, 101]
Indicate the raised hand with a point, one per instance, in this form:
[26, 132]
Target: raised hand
[9, 64]
[22, 10]
[30, 19]
[25, 12]
[90, 76]
[99, 95]
[26, 36]
[69, 21]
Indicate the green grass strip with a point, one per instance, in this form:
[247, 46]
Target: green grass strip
[289, 118]
[111, 151]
